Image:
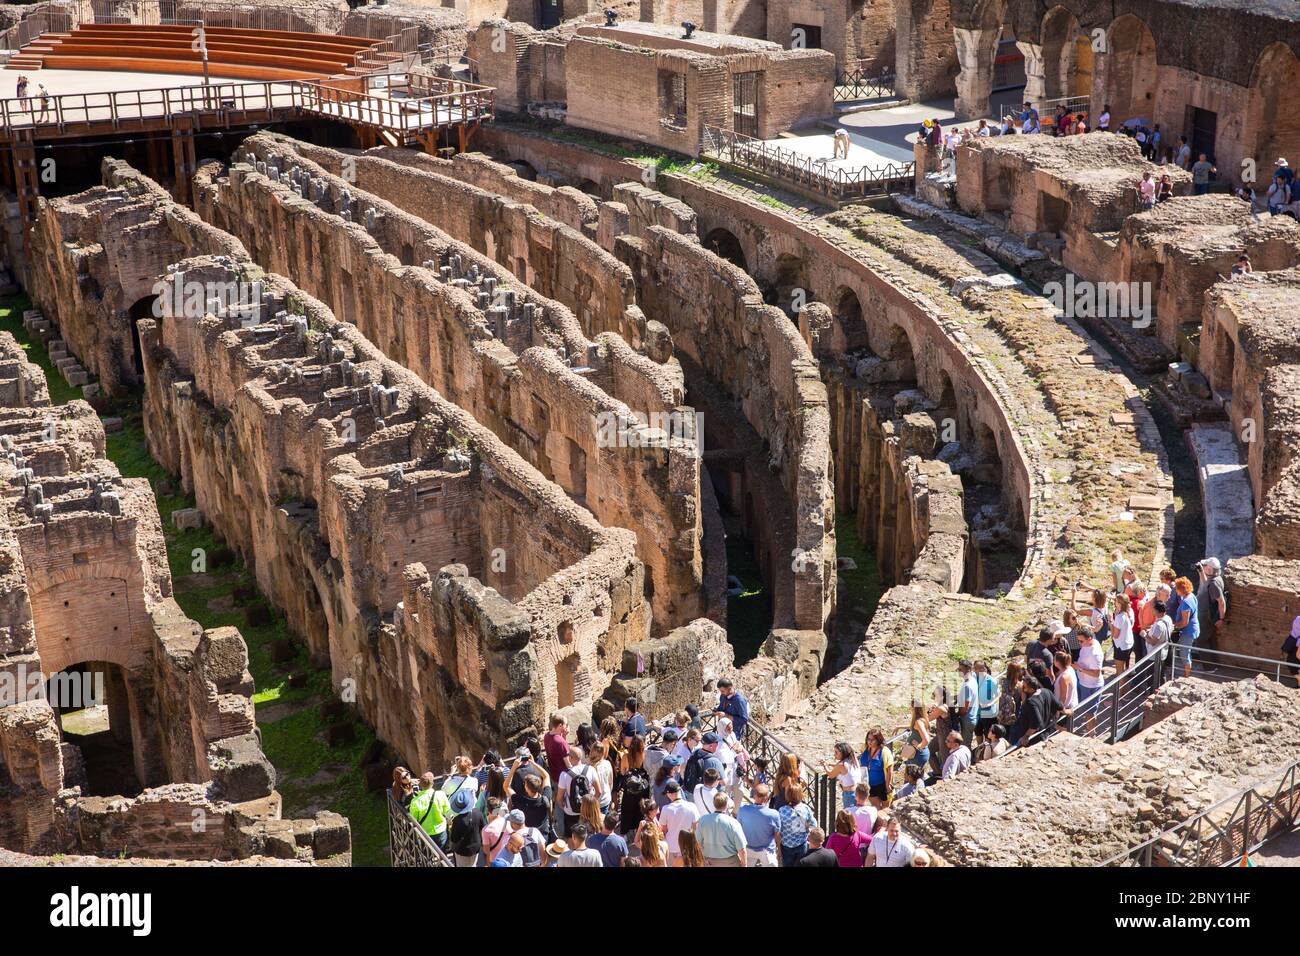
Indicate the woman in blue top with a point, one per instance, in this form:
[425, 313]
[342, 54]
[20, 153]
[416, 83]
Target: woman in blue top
[879, 763]
[1187, 623]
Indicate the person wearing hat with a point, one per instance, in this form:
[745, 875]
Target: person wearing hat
[704, 758]
[532, 847]
[675, 816]
[1211, 601]
[657, 751]
[554, 851]
[669, 768]
[465, 832]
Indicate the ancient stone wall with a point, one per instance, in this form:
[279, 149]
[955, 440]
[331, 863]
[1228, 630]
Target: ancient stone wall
[926, 63]
[746, 18]
[560, 415]
[353, 477]
[1263, 601]
[95, 257]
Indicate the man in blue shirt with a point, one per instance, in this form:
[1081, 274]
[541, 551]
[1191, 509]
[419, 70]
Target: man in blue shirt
[633, 722]
[721, 839]
[733, 703]
[761, 825]
[611, 847]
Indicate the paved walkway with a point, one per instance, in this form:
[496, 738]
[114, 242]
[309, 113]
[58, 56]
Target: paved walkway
[1225, 492]
[893, 129]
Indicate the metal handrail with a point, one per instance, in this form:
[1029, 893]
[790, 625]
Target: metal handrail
[855, 83]
[408, 844]
[758, 156]
[1210, 839]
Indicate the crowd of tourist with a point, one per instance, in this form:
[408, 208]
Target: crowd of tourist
[677, 794]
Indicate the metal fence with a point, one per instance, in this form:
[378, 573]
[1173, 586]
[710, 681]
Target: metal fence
[53, 17]
[408, 844]
[856, 83]
[1225, 832]
[801, 169]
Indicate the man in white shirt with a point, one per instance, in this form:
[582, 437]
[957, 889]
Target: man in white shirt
[1103, 122]
[1089, 666]
[864, 814]
[676, 816]
[967, 701]
[704, 792]
[567, 797]
[958, 756]
[891, 847]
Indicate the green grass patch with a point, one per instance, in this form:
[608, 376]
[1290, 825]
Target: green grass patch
[749, 613]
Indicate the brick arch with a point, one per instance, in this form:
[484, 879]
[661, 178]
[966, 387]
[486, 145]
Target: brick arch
[1127, 70]
[1274, 79]
[75, 610]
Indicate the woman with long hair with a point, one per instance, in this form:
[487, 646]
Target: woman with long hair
[788, 773]
[918, 737]
[635, 788]
[878, 765]
[403, 786]
[846, 842]
[494, 787]
[844, 767]
[654, 848]
[796, 820]
[689, 847]
[599, 761]
[591, 814]
[1009, 700]
[1121, 630]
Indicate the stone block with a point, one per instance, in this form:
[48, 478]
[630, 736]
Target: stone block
[186, 519]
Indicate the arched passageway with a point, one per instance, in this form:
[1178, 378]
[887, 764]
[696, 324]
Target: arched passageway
[1130, 71]
[1067, 56]
[725, 245]
[143, 308]
[93, 706]
[1273, 83]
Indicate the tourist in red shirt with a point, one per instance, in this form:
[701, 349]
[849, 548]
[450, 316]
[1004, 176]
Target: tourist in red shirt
[556, 742]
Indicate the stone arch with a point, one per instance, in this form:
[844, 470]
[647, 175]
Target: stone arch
[524, 169]
[1067, 55]
[851, 327]
[895, 348]
[977, 49]
[1273, 82]
[1128, 74]
[947, 398]
[83, 612]
[788, 275]
[724, 244]
[109, 753]
[142, 308]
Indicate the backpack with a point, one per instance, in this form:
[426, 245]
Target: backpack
[579, 787]
[694, 772]
[636, 783]
[529, 853]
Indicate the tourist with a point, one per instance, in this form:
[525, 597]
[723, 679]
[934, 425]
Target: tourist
[635, 785]
[968, 707]
[1045, 676]
[986, 698]
[493, 836]
[846, 842]
[633, 722]
[1187, 624]
[576, 782]
[1146, 191]
[691, 855]
[722, 840]
[1241, 267]
[762, 828]
[432, 810]
[535, 804]
[1121, 626]
[1009, 697]
[43, 98]
[1142, 607]
[731, 754]
[959, 757]
[494, 785]
[1089, 666]
[983, 129]
[461, 777]
[1156, 140]
[877, 764]
[554, 851]
[843, 765]
[840, 142]
[657, 751]
[586, 736]
[1103, 121]
[668, 772]
[677, 816]
[590, 814]
[1282, 169]
[403, 787]
[818, 854]
[21, 90]
[527, 764]
[1039, 712]
[796, 820]
[914, 780]
[688, 744]
[1143, 141]
[653, 846]
[708, 788]
[491, 761]
[556, 744]
[1278, 196]
[611, 847]
[994, 745]
[533, 850]
[465, 832]
[936, 134]
[599, 758]
[1202, 171]
[1157, 636]
[1066, 682]
[864, 812]
[703, 758]
[732, 703]
[577, 853]
[510, 854]
[943, 715]
[1165, 190]
[1292, 643]
[649, 815]
[1183, 159]
[788, 773]
[890, 846]
[1211, 601]
[917, 748]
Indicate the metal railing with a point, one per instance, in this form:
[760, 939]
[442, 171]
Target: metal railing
[856, 83]
[51, 17]
[801, 169]
[1225, 832]
[393, 54]
[408, 844]
[412, 104]
[129, 109]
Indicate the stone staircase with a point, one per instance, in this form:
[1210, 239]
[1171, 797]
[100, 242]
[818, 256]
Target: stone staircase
[68, 365]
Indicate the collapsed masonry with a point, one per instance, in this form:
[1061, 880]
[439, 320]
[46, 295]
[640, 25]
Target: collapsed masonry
[80, 544]
[1078, 801]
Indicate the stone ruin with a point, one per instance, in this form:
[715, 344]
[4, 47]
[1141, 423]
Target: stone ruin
[79, 543]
